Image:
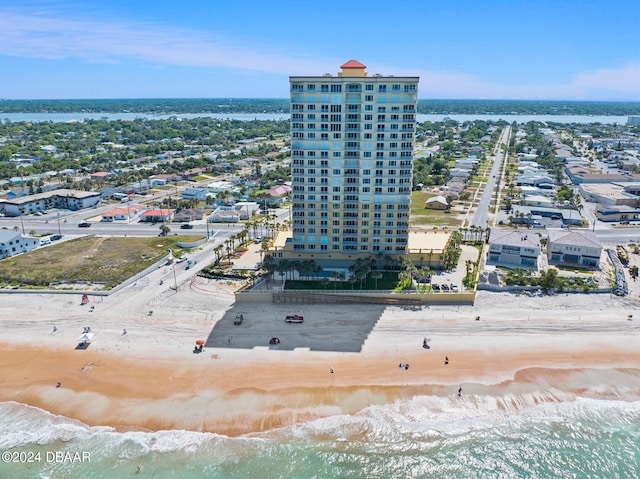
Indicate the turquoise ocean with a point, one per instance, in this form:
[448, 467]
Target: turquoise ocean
[421, 437]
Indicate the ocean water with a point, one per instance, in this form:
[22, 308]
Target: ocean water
[424, 437]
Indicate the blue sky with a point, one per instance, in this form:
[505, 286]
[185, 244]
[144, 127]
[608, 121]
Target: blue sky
[491, 49]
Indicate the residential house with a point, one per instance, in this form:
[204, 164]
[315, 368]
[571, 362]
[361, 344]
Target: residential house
[437, 203]
[224, 214]
[157, 216]
[99, 175]
[13, 242]
[124, 213]
[195, 193]
[188, 214]
[574, 248]
[514, 249]
[246, 209]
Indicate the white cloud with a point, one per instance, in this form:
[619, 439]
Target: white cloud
[47, 35]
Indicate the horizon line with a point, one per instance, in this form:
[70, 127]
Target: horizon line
[288, 99]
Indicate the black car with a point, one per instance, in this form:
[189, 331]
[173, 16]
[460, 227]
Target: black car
[186, 226]
[84, 225]
[55, 237]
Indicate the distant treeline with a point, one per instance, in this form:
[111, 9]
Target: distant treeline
[278, 105]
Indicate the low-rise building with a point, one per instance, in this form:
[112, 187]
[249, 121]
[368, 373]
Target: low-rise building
[608, 194]
[224, 214]
[574, 248]
[62, 198]
[124, 213]
[514, 248]
[195, 193]
[156, 216]
[610, 213]
[13, 242]
[437, 203]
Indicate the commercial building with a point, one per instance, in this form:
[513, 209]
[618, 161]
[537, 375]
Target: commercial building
[352, 139]
[63, 198]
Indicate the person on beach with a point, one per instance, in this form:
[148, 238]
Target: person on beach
[58, 384]
[460, 392]
[124, 331]
[446, 360]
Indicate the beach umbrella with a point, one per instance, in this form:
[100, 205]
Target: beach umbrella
[200, 342]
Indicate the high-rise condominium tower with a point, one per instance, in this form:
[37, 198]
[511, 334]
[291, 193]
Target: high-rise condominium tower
[352, 161]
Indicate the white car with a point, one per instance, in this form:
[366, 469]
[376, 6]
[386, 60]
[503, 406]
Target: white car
[454, 288]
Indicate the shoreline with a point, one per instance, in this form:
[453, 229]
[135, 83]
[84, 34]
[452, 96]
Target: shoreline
[524, 350]
[135, 394]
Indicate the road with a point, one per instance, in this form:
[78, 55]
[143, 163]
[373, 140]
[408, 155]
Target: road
[481, 213]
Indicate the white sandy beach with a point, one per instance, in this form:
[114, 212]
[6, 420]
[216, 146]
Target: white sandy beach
[523, 350]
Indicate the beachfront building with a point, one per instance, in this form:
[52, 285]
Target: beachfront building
[62, 198]
[514, 249]
[352, 139]
[12, 243]
[574, 248]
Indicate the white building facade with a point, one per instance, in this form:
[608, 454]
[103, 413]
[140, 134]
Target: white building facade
[352, 139]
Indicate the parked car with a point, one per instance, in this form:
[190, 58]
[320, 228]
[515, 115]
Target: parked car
[186, 226]
[435, 286]
[294, 318]
[84, 225]
[55, 237]
[444, 287]
[454, 288]
[239, 318]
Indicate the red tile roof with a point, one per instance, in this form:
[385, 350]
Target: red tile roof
[157, 212]
[353, 64]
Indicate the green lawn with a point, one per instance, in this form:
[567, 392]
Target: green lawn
[389, 281]
[420, 215]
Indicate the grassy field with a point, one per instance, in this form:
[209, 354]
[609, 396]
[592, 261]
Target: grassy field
[89, 259]
[422, 216]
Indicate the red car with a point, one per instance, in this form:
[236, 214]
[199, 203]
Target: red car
[294, 319]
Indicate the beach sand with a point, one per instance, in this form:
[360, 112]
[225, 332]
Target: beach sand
[524, 350]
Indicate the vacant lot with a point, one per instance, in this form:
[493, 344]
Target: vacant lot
[90, 259]
[423, 216]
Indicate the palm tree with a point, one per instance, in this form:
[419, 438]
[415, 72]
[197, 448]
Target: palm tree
[376, 275]
[164, 230]
[335, 275]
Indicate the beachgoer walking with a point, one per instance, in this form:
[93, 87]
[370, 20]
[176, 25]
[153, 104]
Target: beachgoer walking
[401, 366]
[54, 329]
[331, 370]
[58, 384]
[124, 331]
[460, 392]
[446, 360]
